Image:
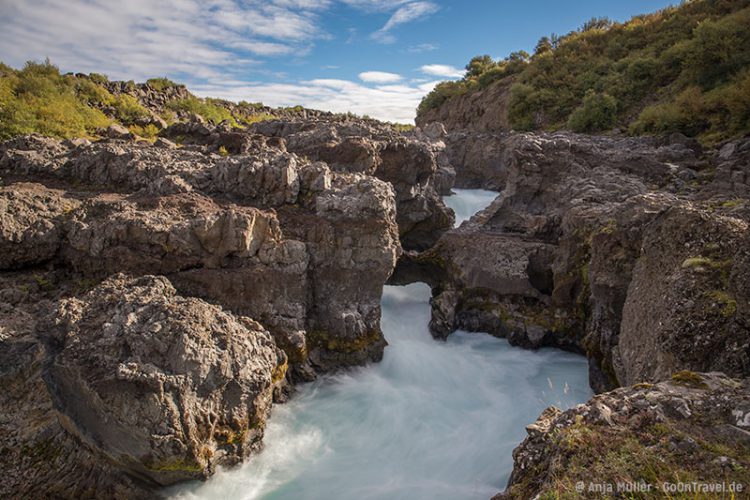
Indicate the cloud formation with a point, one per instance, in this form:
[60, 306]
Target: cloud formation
[395, 103]
[443, 70]
[379, 77]
[213, 46]
[405, 13]
[142, 38]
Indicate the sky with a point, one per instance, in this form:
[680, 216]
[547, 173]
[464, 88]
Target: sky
[374, 57]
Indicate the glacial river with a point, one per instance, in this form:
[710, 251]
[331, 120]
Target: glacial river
[434, 419]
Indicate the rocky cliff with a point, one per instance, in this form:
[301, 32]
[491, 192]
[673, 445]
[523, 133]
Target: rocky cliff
[484, 110]
[632, 251]
[158, 297]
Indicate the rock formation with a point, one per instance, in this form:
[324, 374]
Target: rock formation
[691, 429]
[632, 251]
[157, 297]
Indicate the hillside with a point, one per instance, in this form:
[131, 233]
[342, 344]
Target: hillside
[40, 99]
[682, 69]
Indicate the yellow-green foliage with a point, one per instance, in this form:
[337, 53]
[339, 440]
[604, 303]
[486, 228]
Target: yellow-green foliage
[39, 99]
[255, 118]
[160, 83]
[149, 131]
[684, 69]
[128, 110]
[208, 108]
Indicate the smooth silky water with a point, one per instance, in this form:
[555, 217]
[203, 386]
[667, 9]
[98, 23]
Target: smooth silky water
[434, 419]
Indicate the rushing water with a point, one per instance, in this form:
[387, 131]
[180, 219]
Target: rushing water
[434, 419]
[467, 202]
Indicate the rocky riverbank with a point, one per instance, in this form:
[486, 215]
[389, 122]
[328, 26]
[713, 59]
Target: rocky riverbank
[158, 297]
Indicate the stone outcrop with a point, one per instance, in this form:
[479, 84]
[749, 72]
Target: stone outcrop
[130, 386]
[484, 110]
[410, 164]
[691, 429]
[242, 272]
[629, 250]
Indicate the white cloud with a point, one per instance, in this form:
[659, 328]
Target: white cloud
[141, 38]
[396, 103]
[422, 47]
[442, 70]
[405, 13]
[211, 45]
[379, 77]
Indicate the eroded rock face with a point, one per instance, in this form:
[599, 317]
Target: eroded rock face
[410, 164]
[129, 386]
[166, 386]
[565, 254]
[140, 381]
[693, 427]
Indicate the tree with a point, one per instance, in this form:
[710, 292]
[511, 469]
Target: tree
[543, 46]
[597, 112]
[478, 65]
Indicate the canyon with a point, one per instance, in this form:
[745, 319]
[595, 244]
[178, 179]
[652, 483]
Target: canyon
[160, 298]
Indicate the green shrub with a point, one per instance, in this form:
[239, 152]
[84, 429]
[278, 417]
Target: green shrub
[98, 78]
[597, 112]
[128, 110]
[686, 114]
[650, 65]
[207, 108]
[149, 131]
[37, 99]
[160, 83]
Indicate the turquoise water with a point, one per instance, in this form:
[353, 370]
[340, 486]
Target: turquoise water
[435, 420]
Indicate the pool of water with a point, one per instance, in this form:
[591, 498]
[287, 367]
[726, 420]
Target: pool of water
[467, 202]
[434, 419]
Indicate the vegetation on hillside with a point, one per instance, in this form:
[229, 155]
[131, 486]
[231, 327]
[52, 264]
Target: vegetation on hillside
[682, 69]
[39, 99]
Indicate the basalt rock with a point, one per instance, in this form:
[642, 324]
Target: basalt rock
[158, 377]
[131, 386]
[410, 164]
[692, 429]
[584, 249]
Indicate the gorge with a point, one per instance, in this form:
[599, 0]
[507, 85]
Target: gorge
[202, 298]
[432, 419]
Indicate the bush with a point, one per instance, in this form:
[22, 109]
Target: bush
[128, 110]
[686, 114]
[597, 112]
[160, 83]
[647, 62]
[38, 99]
[98, 78]
[207, 108]
[149, 131]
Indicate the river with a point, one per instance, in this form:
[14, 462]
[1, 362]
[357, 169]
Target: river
[434, 419]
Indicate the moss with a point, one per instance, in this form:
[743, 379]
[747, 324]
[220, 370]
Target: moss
[726, 302]
[223, 151]
[43, 283]
[229, 436]
[689, 379]
[45, 450]
[733, 203]
[643, 385]
[323, 339]
[279, 372]
[176, 465]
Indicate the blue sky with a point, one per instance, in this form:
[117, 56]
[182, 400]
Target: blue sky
[375, 57]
